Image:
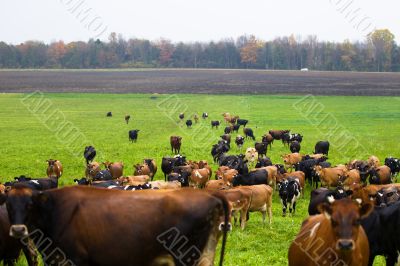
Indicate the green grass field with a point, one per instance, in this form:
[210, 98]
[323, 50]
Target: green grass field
[356, 127]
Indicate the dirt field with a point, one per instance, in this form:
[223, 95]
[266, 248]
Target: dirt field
[202, 81]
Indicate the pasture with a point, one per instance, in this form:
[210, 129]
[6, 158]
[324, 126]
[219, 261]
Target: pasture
[30, 136]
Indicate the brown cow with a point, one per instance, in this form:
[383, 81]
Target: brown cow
[239, 200]
[351, 177]
[374, 161]
[196, 118]
[329, 176]
[148, 167]
[291, 159]
[220, 171]
[176, 142]
[268, 139]
[194, 216]
[368, 193]
[277, 134]
[199, 177]
[299, 176]
[217, 185]
[165, 184]
[92, 169]
[134, 180]
[380, 175]
[54, 168]
[10, 248]
[261, 200]
[116, 169]
[334, 237]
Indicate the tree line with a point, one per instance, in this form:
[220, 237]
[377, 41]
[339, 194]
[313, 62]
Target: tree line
[378, 52]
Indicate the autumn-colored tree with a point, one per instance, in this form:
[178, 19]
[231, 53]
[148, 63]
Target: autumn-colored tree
[166, 50]
[382, 42]
[250, 50]
[55, 53]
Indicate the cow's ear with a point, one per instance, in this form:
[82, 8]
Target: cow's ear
[326, 209]
[3, 198]
[365, 209]
[349, 193]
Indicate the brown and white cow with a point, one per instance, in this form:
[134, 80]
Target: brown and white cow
[334, 237]
[199, 177]
[54, 168]
[148, 167]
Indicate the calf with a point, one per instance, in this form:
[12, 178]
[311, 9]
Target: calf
[295, 147]
[54, 168]
[248, 133]
[289, 192]
[215, 124]
[189, 123]
[239, 141]
[127, 117]
[334, 237]
[176, 142]
[322, 147]
[133, 135]
[89, 154]
[116, 169]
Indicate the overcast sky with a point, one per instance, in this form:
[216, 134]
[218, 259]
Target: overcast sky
[189, 20]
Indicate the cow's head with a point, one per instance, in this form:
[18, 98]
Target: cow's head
[107, 164]
[21, 205]
[51, 162]
[345, 216]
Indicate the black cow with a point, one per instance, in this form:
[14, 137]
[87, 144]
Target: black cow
[236, 162]
[215, 124]
[82, 182]
[133, 135]
[382, 227]
[168, 164]
[307, 166]
[218, 149]
[387, 196]
[393, 164]
[204, 115]
[189, 123]
[263, 162]
[182, 177]
[228, 130]
[253, 178]
[242, 122]
[296, 137]
[261, 148]
[289, 192]
[248, 132]
[36, 184]
[109, 114]
[181, 116]
[286, 139]
[22, 178]
[89, 154]
[322, 147]
[103, 175]
[295, 146]
[321, 195]
[235, 128]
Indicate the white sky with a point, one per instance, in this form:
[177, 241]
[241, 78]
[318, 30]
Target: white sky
[189, 20]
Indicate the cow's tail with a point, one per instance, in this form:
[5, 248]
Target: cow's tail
[225, 228]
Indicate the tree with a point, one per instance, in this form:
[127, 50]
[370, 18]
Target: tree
[249, 51]
[166, 51]
[55, 53]
[382, 42]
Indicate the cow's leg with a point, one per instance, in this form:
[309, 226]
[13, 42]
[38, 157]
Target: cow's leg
[284, 206]
[30, 253]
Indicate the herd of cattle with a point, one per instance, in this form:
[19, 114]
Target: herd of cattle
[354, 215]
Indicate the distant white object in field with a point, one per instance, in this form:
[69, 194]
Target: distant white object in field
[304, 69]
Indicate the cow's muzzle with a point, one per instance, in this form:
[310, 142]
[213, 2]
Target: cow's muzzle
[18, 230]
[222, 227]
[345, 244]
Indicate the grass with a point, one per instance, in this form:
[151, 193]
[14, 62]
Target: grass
[28, 139]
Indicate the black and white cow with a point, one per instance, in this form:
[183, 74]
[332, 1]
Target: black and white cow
[289, 192]
[393, 164]
[204, 115]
